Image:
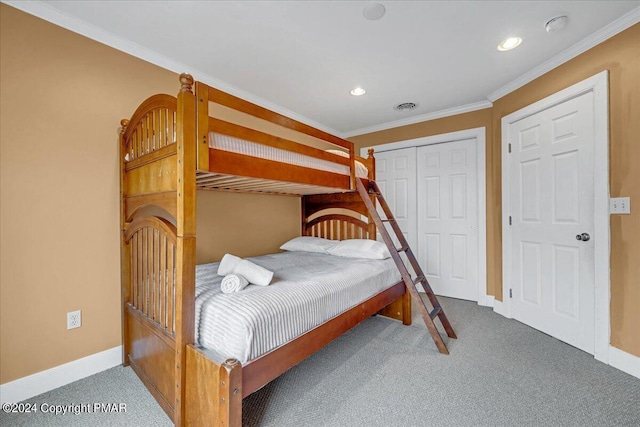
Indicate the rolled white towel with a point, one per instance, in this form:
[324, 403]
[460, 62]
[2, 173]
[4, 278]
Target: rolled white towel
[227, 264]
[253, 272]
[233, 283]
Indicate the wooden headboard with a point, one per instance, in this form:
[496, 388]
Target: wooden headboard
[341, 225]
[337, 227]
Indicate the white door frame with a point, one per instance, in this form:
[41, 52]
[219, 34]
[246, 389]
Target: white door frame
[480, 136]
[599, 86]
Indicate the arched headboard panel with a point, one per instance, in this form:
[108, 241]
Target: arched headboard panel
[159, 203]
[152, 127]
[151, 251]
[349, 201]
[338, 227]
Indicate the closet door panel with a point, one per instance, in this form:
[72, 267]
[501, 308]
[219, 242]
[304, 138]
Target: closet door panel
[396, 177]
[447, 230]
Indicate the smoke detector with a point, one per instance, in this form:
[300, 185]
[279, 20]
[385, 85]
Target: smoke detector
[406, 106]
[556, 24]
[374, 11]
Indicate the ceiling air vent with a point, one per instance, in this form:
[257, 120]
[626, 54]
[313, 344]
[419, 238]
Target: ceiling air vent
[405, 106]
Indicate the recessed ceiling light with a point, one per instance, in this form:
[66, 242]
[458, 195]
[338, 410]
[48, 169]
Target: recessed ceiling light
[374, 11]
[358, 91]
[510, 43]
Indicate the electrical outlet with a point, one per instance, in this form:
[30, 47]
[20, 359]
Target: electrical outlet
[74, 319]
[620, 205]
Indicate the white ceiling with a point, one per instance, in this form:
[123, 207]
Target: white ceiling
[302, 58]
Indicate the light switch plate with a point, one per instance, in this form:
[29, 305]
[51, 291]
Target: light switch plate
[620, 205]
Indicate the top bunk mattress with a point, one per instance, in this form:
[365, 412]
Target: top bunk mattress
[240, 146]
[307, 290]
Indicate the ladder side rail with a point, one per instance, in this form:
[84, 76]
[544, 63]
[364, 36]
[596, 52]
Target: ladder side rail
[413, 261]
[408, 281]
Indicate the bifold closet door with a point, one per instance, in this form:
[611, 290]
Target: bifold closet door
[396, 177]
[447, 221]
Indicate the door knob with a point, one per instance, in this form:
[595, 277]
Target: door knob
[584, 237]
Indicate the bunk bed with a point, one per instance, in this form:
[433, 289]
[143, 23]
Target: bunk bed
[172, 146]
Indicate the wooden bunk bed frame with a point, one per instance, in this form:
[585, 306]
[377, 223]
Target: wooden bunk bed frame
[164, 157]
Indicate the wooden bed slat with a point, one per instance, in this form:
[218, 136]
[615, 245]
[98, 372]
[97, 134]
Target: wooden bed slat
[162, 273]
[223, 182]
[170, 288]
[152, 248]
[328, 226]
[134, 271]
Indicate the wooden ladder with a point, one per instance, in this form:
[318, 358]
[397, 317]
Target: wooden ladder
[410, 283]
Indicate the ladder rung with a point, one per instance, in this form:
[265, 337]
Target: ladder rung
[366, 193]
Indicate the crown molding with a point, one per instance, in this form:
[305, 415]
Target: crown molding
[421, 118]
[625, 21]
[43, 11]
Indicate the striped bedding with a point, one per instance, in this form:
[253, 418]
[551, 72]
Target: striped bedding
[307, 290]
[248, 148]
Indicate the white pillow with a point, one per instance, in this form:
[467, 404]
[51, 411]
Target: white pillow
[360, 248]
[361, 170]
[339, 153]
[308, 244]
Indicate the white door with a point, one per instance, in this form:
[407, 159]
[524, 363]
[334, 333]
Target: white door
[551, 204]
[448, 217]
[396, 177]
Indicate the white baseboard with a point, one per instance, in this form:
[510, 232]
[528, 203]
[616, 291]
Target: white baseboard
[498, 307]
[33, 385]
[624, 361]
[487, 301]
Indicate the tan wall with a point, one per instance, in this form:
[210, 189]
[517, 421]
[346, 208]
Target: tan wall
[621, 56]
[62, 98]
[243, 224]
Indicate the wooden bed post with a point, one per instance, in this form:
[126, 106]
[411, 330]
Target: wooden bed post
[372, 168]
[186, 240]
[202, 98]
[372, 177]
[125, 250]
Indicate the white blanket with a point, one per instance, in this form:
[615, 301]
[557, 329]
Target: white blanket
[307, 290]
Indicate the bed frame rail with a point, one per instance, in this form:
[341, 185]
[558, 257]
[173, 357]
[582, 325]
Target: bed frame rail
[211, 159]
